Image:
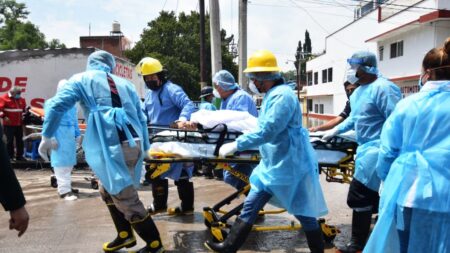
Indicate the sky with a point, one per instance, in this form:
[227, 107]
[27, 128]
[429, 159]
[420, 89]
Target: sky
[276, 25]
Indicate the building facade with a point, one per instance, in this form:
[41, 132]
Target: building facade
[400, 32]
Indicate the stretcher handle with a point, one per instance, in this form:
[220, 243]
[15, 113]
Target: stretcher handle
[222, 134]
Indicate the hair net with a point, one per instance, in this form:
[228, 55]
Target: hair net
[101, 60]
[366, 60]
[225, 80]
[261, 76]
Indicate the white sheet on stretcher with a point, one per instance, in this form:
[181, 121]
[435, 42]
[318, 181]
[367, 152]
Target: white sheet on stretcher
[187, 150]
[235, 120]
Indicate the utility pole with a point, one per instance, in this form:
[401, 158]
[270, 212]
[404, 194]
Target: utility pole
[202, 44]
[243, 43]
[216, 52]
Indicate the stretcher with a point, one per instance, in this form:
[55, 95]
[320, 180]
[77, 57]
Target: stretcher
[336, 157]
[205, 152]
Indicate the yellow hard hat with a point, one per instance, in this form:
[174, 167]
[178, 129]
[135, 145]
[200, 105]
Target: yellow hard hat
[148, 66]
[262, 61]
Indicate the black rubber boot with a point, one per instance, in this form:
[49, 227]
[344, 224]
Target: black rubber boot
[125, 237]
[237, 236]
[160, 192]
[186, 195]
[148, 231]
[315, 240]
[360, 232]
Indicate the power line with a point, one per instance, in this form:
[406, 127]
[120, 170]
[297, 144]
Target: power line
[164, 5]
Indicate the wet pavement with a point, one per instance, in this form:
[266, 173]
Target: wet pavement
[83, 225]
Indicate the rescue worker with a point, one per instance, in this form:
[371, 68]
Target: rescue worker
[236, 99]
[413, 163]
[287, 173]
[115, 139]
[349, 88]
[207, 96]
[164, 104]
[371, 104]
[63, 158]
[12, 107]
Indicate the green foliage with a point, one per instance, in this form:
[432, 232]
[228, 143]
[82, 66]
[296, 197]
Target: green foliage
[16, 33]
[175, 41]
[307, 47]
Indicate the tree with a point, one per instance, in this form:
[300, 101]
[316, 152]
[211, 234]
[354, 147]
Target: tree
[175, 41]
[307, 48]
[302, 55]
[16, 33]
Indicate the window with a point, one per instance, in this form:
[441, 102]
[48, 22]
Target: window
[380, 52]
[316, 108]
[321, 108]
[330, 74]
[309, 78]
[316, 77]
[324, 76]
[309, 105]
[397, 49]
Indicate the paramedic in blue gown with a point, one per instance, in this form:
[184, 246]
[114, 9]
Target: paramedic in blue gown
[207, 97]
[287, 173]
[167, 104]
[115, 142]
[372, 103]
[236, 99]
[64, 157]
[414, 165]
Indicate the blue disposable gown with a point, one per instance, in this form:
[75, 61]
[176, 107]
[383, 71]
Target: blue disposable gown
[65, 155]
[413, 163]
[239, 101]
[168, 104]
[101, 141]
[165, 106]
[288, 168]
[207, 106]
[371, 105]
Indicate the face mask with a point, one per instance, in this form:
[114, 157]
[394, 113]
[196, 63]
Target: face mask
[253, 88]
[216, 93]
[152, 85]
[420, 83]
[17, 96]
[351, 76]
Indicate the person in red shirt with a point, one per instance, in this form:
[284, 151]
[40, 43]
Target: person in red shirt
[12, 106]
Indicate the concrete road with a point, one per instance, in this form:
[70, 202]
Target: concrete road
[83, 225]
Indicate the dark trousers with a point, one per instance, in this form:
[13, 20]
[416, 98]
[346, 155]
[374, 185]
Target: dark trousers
[14, 132]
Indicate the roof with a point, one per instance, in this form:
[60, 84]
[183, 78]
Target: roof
[14, 55]
[429, 17]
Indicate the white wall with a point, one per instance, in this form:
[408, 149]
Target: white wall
[416, 43]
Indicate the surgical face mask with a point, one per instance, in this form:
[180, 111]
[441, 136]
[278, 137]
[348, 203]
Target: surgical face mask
[152, 85]
[351, 76]
[253, 88]
[216, 93]
[420, 83]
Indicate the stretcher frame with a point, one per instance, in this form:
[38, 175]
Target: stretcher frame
[215, 217]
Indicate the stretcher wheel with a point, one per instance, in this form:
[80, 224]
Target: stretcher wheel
[94, 184]
[53, 182]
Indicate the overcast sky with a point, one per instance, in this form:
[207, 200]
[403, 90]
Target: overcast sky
[276, 25]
